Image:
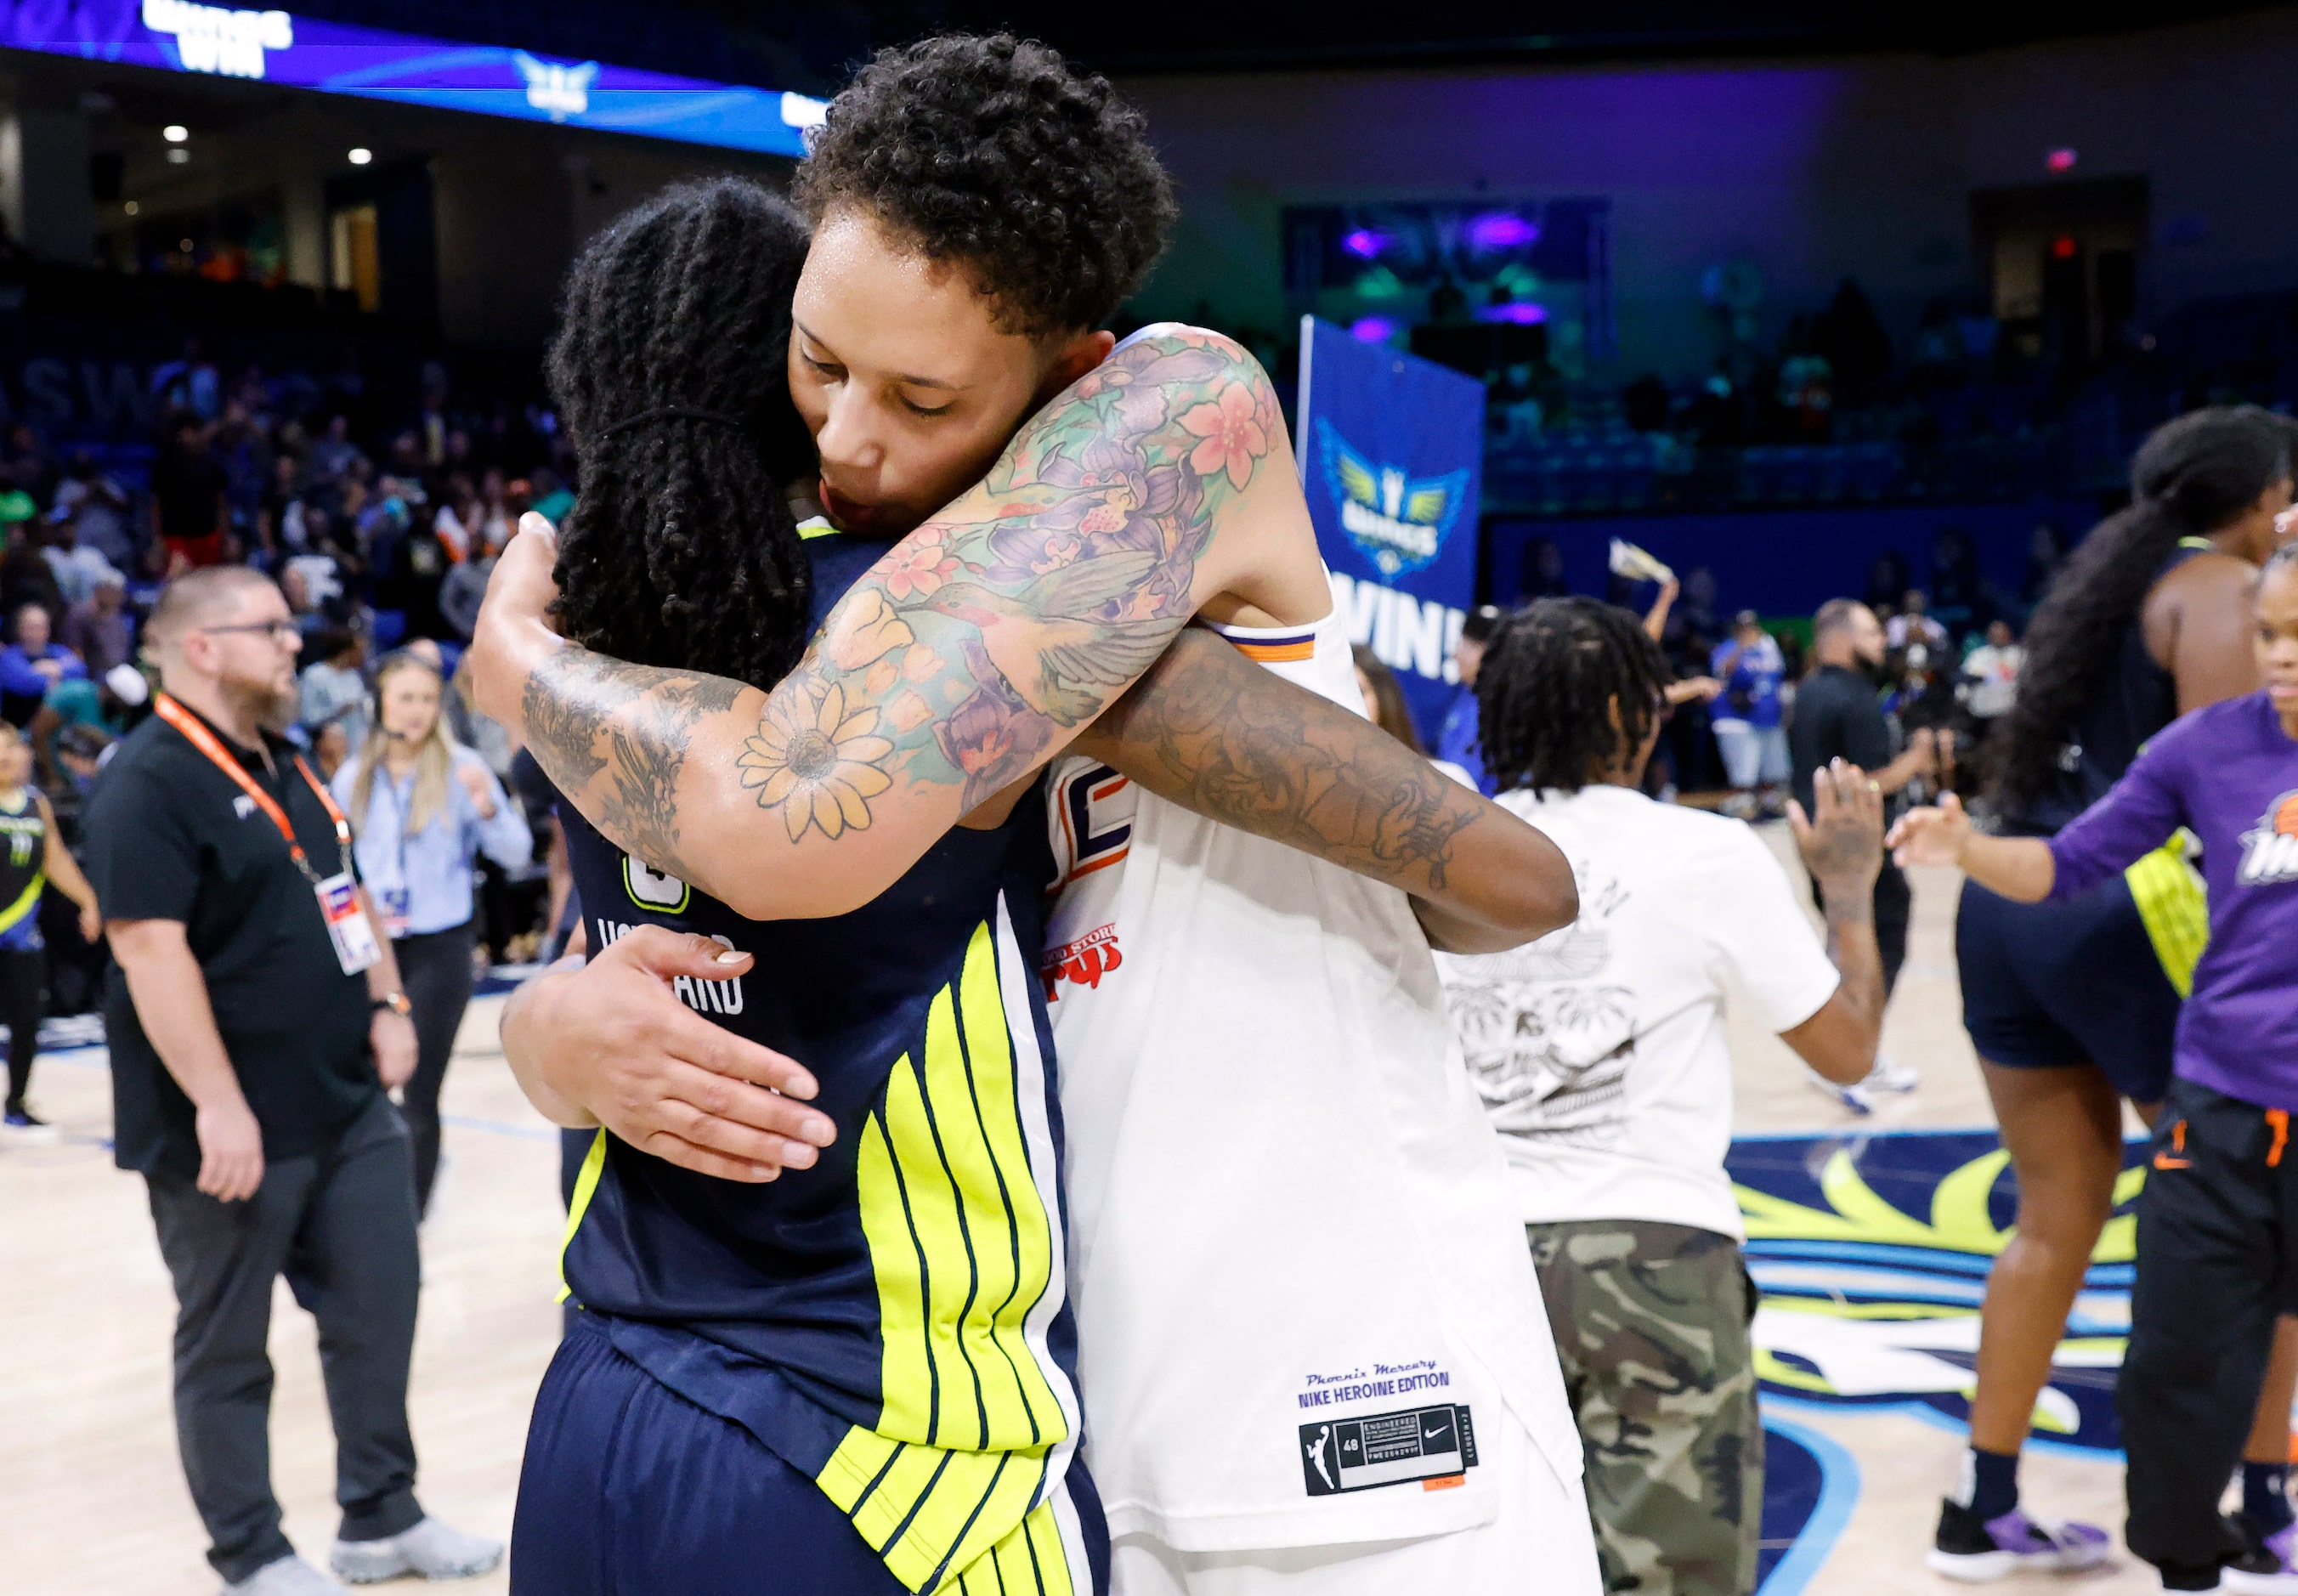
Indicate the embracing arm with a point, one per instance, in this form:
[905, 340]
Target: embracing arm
[1211, 731]
[971, 652]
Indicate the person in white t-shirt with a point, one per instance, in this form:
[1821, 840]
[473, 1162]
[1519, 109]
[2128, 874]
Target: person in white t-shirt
[1991, 674]
[1599, 1053]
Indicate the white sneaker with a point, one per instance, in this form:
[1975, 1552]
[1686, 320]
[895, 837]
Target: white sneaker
[431, 1549]
[291, 1576]
[1887, 1074]
[1854, 1097]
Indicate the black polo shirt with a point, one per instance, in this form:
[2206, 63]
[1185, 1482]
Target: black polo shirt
[1838, 716]
[169, 836]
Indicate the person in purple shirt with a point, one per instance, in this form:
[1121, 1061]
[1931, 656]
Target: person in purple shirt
[2217, 1249]
[32, 665]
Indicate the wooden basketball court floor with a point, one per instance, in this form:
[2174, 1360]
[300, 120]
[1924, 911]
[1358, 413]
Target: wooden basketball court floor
[1868, 1237]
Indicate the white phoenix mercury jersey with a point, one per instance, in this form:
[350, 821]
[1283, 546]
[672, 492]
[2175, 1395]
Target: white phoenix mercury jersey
[1300, 1281]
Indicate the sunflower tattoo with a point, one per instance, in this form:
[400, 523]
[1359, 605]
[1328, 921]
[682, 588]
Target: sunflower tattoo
[815, 762]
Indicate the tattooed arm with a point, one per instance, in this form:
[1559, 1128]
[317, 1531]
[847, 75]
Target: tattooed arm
[973, 651]
[1208, 729]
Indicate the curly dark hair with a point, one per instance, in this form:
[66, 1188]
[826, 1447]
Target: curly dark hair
[681, 548]
[1550, 674]
[2192, 476]
[996, 153]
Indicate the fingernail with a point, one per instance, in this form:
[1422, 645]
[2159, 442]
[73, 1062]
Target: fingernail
[731, 957]
[821, 1132]
[799, 1157]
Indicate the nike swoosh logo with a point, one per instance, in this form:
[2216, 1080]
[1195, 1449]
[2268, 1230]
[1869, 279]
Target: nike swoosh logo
[1432, 1435]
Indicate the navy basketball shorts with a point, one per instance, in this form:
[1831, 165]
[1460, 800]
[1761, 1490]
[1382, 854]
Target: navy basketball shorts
[628, 1489]
[2049, 985]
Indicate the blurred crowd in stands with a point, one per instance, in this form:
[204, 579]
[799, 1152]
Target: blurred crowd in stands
[1950, 668]
[380, 530]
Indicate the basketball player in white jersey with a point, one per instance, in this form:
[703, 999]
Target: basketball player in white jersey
[1305, 1341]
[1348, 1384]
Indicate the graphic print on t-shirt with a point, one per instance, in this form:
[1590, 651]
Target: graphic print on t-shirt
[2270, 853]
[1548, 1039]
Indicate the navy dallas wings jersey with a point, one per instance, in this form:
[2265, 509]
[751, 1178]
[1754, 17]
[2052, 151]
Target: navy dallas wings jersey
[893, 1321]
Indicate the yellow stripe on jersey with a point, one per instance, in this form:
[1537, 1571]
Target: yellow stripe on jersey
[960, 1239]
[1032, 1560]
[2173, 907]
[962, 1246]
[26, 902]
[927, 1510]
[1005, 1505]
[1049, 1554]
[586, 1186]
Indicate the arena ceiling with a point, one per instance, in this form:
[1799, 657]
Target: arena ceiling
[810, 45]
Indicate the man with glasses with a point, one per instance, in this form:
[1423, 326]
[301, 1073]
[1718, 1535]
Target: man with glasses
[256, 1023]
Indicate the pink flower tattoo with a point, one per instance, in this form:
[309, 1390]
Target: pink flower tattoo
[917, 567]
[1234, 438]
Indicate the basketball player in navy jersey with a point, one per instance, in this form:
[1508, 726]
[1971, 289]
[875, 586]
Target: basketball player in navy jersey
[880, 1337]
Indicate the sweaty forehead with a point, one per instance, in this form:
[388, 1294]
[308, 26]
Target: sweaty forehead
[883, 306]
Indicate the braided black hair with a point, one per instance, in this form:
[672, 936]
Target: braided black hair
[2192, 476]
[996, 153]
[670, 375]
[1545, 693]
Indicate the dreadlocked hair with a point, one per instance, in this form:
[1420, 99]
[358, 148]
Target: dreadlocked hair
[670, 373]
[1545, 693]
[2192, 476]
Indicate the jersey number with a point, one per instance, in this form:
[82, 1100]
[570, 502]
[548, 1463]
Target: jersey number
[652, 890]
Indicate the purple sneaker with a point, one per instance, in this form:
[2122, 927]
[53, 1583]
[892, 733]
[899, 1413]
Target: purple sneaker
[1976, 1549]
[2267, 1568]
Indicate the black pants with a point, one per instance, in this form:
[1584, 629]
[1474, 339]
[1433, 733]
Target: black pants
[23, 1001]
[341, 1226]
[2217, 1240]
[1893, 900]
[435, 969]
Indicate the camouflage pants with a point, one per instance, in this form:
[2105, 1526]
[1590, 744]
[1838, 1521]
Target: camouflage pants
[1651, 1323]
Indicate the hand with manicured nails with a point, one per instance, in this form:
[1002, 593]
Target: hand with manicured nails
[612, 1039]
[1932, 836]
[1842, 841]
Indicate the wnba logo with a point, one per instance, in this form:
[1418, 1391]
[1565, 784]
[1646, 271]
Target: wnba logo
[2270, 853]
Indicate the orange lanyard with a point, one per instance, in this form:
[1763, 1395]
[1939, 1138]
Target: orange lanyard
[196, 733]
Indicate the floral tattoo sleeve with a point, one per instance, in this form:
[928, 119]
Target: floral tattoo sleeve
[979, 643]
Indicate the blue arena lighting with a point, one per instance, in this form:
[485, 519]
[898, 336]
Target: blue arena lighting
[334, 58]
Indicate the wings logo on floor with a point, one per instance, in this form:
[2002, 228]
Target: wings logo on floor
[1871, 1255]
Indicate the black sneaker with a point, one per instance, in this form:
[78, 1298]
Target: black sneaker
[27, 1126]
[1977, 1551]
[2263, 1568]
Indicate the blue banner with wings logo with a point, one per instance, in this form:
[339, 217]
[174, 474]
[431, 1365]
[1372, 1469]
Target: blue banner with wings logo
[1390, 450]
